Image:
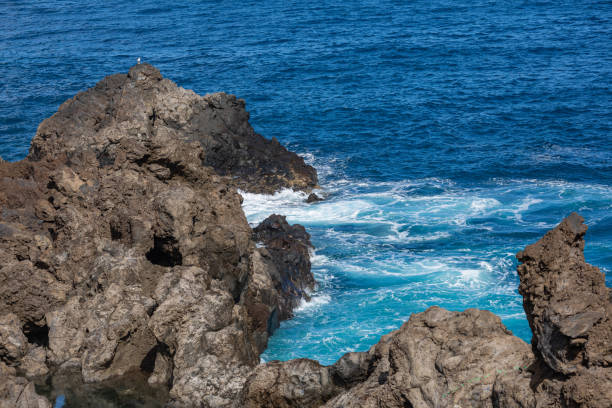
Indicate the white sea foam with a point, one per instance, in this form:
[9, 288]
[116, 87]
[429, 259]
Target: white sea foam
[480, 205]
[257, 207]
[318, 260]
[524, 206]
[315, 302]
[374, 246]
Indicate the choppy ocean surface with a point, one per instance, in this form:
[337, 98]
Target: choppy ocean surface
[447, 134]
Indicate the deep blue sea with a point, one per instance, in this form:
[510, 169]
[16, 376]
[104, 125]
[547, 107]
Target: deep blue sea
[447, 134]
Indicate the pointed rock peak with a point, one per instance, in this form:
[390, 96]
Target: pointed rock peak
[140, 72]
[566, 300]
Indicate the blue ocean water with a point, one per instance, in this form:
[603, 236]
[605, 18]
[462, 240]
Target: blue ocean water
[448, 134]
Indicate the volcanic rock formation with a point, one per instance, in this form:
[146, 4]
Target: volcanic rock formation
[469, 359]
[125, 249]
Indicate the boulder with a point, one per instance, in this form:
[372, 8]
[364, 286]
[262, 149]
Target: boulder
[313, 198]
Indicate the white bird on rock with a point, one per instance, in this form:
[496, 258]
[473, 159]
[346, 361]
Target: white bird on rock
[138, 60]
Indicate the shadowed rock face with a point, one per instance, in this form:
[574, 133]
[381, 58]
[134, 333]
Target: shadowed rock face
[287, 246]
[469, 359]
[123, 251]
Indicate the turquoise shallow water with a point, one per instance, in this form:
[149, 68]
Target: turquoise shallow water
[448, 134]
[385, 250]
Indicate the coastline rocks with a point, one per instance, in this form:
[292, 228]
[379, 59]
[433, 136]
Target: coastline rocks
[447, 359]
[438, 358]
[142, 101]
[566, 300]
[287, 246]
[281, 276]
[125, 253]
[313, 198]
[569, 309]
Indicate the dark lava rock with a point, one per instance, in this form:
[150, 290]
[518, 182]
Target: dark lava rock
[469, 359]
[287, 246]
[123, 250]
[313, 198]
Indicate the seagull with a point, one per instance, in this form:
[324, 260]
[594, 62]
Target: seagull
[138, 60]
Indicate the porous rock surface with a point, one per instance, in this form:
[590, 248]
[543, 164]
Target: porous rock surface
[436, 359]
[469, 359]
[125, 249]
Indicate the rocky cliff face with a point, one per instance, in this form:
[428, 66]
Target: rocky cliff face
[469, 359]
[125, 249]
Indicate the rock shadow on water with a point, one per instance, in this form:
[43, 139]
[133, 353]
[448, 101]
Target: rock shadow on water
[66, 389]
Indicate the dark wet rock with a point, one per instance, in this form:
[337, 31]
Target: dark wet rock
[469, 359]
[313, 198]
[281, 276]
[125, 252]
[287, 246]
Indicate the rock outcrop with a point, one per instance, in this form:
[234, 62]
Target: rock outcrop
[569, 309]
[436, 359]
[125, 249]
[287, 246]
[469, 359]
[143, 101]
[313, 198]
